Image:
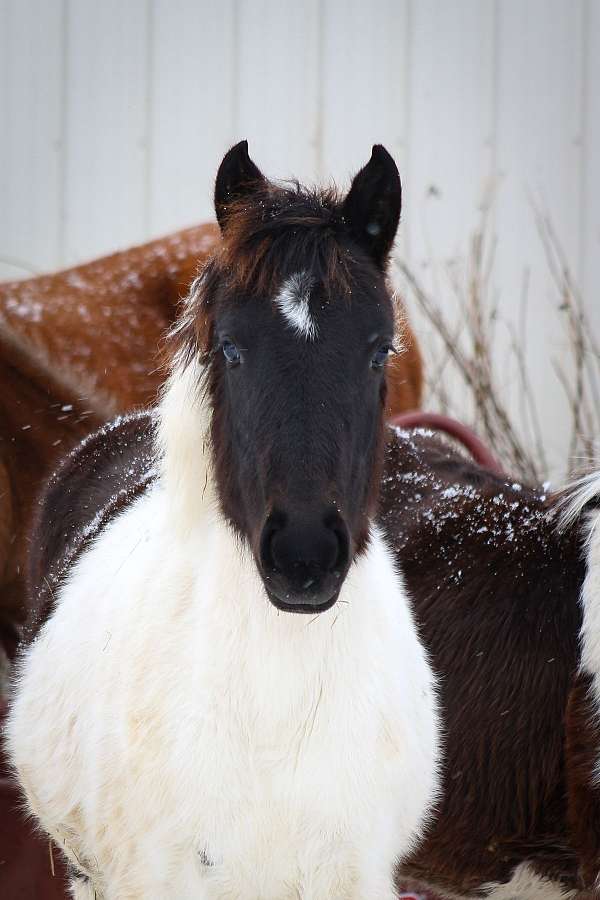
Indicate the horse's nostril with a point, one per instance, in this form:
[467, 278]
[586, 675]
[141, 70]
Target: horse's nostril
[336, 524]
[274, 523]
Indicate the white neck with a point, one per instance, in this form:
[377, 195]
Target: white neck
[183, 446]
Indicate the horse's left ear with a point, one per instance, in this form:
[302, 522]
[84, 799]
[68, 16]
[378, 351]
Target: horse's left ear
[372, 208]
[237, 177]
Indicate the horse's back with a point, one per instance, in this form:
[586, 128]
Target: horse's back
[495, 588]
[95, 482]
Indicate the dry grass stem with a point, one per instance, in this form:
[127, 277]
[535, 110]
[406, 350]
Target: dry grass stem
[465, 350]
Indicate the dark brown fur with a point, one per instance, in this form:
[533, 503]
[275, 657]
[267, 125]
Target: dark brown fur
[583, 790]
[102, 476]
[286, 226]
[38, 422]
[496, 588]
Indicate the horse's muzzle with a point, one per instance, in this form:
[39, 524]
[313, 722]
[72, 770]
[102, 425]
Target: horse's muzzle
[304, 562]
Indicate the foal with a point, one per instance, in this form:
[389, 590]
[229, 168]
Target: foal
[177, 727]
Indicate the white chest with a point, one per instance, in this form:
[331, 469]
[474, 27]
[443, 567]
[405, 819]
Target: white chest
[286, 772]
[209, 747]
[274, 802]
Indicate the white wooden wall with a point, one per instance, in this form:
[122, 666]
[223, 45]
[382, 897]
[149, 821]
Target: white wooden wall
[114, 116]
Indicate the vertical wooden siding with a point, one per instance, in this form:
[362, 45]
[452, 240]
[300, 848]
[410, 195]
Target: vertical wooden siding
[114, 117]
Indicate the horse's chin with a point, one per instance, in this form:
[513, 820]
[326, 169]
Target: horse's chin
[306, 606]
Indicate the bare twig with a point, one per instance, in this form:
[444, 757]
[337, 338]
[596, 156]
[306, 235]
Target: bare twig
[467, 350]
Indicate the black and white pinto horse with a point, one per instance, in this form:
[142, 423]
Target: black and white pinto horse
[178, 729]
[182, 734]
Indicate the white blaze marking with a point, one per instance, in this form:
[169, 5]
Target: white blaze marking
[292, 301]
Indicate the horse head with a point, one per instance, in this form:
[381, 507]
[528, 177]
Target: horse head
[293, 322]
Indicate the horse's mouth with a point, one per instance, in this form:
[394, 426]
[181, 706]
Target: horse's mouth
[305, 605]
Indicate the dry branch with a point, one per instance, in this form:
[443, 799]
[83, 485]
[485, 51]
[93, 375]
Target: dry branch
[467, 351]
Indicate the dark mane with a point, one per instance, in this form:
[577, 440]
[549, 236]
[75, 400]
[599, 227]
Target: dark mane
[284, 230]
[280, 231]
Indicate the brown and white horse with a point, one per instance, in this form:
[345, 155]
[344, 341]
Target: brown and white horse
[179, 727]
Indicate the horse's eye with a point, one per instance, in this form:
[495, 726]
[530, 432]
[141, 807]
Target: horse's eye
[231, 353]
[378, 360]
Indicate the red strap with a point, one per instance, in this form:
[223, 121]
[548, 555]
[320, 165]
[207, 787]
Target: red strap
[438, 422]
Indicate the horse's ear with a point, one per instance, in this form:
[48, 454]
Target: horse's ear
[372, 208]
[237, 177]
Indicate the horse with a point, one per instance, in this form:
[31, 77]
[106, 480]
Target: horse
[80, 346]
[505, 584]
[224, 693]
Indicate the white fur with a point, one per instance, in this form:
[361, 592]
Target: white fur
[293, 303]
[81, 889]
[168, 711]
[577, 496]
[526, 885]
[586, 490]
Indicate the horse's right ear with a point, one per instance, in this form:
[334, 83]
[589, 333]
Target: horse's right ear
[237, 177]
[372, 207]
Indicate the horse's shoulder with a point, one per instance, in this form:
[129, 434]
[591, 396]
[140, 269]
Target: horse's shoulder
[98, 479]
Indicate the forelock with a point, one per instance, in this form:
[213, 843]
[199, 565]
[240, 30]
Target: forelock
[268, 239]
[283, 230]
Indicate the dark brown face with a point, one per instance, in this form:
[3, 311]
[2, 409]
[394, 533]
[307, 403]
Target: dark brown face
[296, 430]
[297, 383]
